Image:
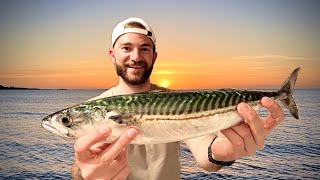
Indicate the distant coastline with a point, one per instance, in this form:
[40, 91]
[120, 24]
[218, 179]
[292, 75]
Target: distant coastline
[22, 88]
[16, 88]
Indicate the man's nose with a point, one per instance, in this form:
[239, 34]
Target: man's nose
[135, 55]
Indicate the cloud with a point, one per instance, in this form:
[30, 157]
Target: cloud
[161, 72]
[267, 67]
[53, 73]
[266, 56]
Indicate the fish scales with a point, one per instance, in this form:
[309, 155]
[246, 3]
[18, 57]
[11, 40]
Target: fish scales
[169, 103]
[222, 102]
[164, 102]
[177, 102]
[183, 105]
[205, 104]
[164, 106]
[169, 107]
[163, 117]
[200, 104]
[219, 99]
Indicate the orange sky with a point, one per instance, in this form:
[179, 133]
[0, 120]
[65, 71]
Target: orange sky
[200, 46]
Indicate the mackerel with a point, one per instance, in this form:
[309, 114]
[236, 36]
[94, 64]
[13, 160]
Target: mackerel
[163, 117]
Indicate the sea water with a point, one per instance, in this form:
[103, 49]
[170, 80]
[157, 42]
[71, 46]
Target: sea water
[28, 151]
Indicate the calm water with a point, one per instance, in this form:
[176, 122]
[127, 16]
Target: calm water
[292, 151]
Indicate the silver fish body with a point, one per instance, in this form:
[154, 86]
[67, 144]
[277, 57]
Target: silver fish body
[163, 117]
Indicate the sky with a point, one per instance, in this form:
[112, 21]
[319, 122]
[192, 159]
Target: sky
[200, 44]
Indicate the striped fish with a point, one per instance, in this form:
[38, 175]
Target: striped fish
[163, 117]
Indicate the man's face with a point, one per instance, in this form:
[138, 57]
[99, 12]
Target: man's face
[133, 57]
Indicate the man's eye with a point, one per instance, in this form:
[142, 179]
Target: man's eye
[145, 49]
[125, 48]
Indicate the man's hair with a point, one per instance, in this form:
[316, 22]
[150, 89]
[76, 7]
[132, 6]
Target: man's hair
[134, 24]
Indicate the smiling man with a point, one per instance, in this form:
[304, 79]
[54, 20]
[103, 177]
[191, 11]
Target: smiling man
[133, 54]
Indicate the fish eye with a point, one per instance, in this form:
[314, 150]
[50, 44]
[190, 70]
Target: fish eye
[66, 121]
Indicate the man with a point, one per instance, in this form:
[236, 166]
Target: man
[133, 53]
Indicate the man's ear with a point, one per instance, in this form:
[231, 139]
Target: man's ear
[111, 54]
[155, 55]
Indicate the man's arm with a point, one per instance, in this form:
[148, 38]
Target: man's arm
[238, 141]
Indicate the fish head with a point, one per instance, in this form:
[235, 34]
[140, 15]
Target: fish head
[67, 123]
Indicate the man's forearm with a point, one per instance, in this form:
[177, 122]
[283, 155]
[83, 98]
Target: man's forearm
[199, 148]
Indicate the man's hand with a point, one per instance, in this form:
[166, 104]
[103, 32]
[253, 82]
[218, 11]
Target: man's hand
[248, 137]
[101, 160]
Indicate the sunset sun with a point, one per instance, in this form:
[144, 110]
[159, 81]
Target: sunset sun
[164, 83]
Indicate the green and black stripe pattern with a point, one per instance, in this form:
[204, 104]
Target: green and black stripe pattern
[177, 103]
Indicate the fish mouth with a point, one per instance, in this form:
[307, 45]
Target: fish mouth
[46, 124]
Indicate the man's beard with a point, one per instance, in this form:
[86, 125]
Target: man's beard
[138, 79]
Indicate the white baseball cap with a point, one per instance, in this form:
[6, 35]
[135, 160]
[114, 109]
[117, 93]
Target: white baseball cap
[121, 29]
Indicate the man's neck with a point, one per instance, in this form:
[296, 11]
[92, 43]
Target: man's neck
[126, 88]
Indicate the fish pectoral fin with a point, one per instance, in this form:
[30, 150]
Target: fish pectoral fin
[116, 118]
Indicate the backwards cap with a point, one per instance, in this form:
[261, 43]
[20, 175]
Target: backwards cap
[121, 29]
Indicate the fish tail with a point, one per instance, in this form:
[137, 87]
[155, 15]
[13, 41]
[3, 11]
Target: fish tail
[286, 93]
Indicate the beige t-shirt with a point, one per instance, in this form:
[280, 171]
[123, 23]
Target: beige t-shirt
[152, 161]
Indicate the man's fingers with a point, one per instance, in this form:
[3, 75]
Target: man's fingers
[244, 132]
[99, 147]
[108, 171]
[122, 174]
[233, 137]
[112, 151]
[235, 148]
[273, 107]
[84, 143]
[276, 115]
[255, 123]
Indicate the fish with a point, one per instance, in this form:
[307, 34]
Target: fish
[163, 117]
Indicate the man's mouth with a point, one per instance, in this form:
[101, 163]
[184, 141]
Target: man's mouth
[136, 67]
